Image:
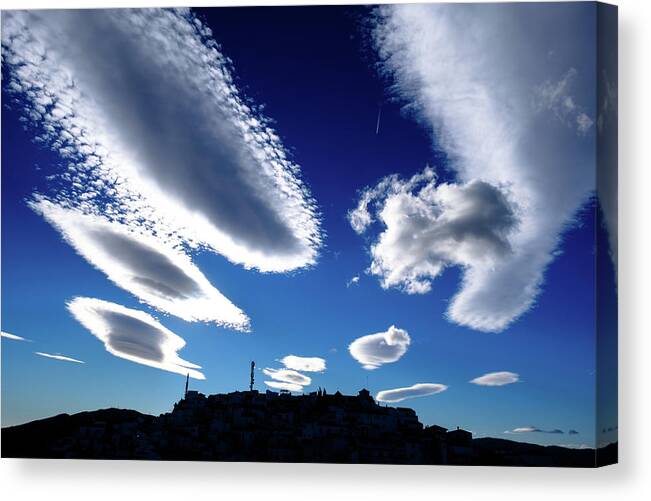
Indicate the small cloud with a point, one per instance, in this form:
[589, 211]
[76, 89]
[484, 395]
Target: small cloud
[353, 281]
[417, 390]
[374, 350]
[59, 357]
[572, 432]
[533, 429]
[12, 336]
[288, 376]
[133, 335]
[525, 429]
[555, 96]
[305, 364]
[278, 385]
[496, 379]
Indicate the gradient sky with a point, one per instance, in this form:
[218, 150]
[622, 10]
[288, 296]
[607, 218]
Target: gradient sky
[317, 74]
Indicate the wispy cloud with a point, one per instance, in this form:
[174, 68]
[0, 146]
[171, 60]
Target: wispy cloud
[157, 274]
[13, 337]
[572, 432]
[374, 350]
[414, 391]
[496, 379]
[533, 429]
[304, 364]
[58, 357]
[133, 335]
[353, 281]
[143, 107]
[556, 96]
[520, 178]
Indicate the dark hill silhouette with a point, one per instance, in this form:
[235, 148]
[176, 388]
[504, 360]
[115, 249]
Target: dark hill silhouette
[44, 438]
[498, 451]
[253, 426]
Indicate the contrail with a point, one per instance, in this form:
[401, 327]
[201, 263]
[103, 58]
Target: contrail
[377, 126]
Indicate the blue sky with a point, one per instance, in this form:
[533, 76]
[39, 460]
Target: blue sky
[320, 75]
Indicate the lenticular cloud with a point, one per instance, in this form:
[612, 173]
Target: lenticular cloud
[288, 376]
[534, 429]
[133, 335]
[11, 336]
[414, 391]
[63, 358]
[500, 378]
[158, 275]
[143, 107]
[305, 364]
[286, 379]
[513, 109]
[374, 350]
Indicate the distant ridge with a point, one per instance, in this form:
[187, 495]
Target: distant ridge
[253, 426]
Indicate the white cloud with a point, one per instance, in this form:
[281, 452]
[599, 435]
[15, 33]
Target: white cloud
[374, 350]
[525, 429]
[533, 429]
[277, 385]
[133, 335]
[353, 281]
[143, 107]
[304, 364]
[483, 107]
[288, 376]
[429, 227]
[158, 275]
[496, 379]
[11, 336]
[414, 391]
[58, 357]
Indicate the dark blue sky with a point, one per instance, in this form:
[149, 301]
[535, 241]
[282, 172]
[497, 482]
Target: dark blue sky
[314, 72]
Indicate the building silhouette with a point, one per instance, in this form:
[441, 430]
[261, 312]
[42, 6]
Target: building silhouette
[277, 427]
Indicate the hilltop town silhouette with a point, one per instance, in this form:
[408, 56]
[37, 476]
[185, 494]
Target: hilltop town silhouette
[278, 427]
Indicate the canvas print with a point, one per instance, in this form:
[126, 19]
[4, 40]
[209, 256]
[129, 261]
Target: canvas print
[330, 234]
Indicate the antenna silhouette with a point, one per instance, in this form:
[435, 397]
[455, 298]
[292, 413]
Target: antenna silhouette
[252, 376]
[187, 381]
